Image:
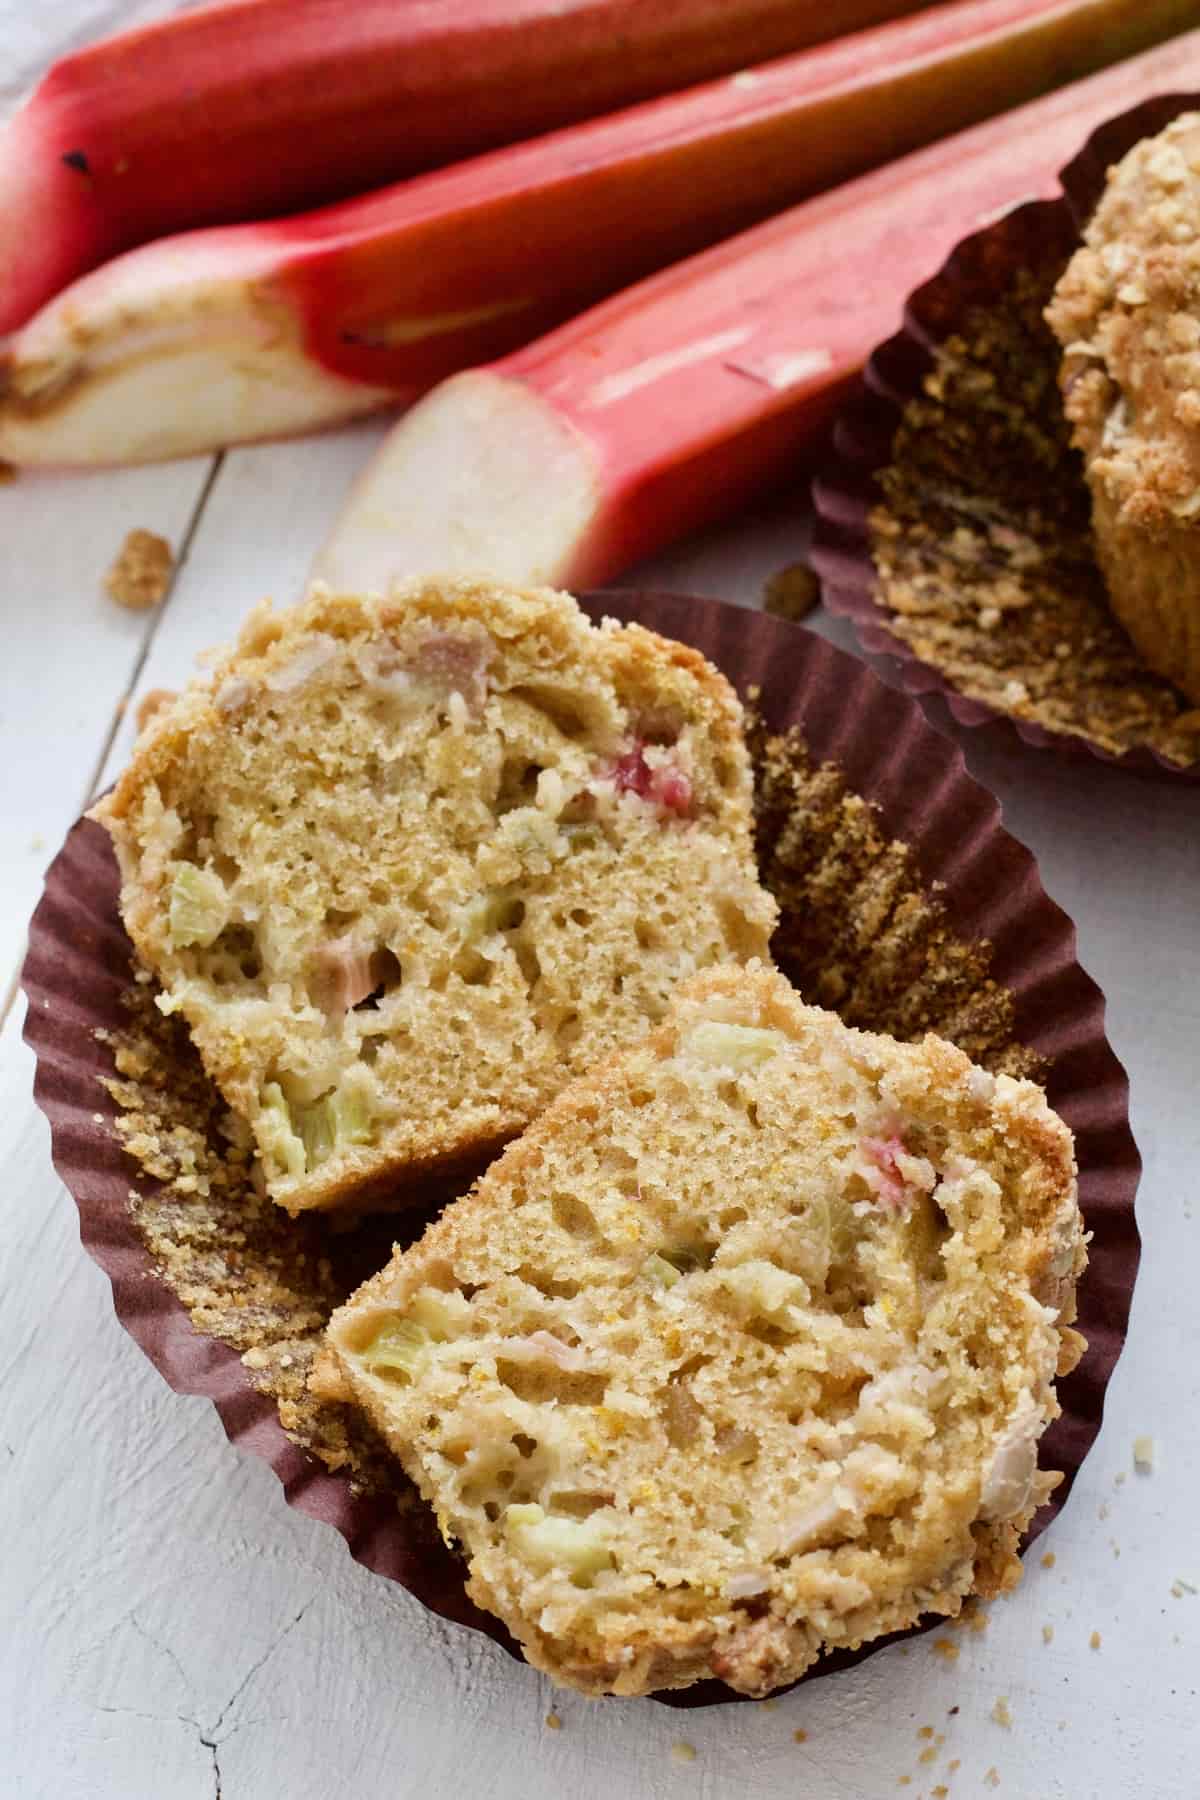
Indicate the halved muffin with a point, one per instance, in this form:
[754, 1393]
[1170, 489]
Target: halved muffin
[405, 866]
[742, 1352]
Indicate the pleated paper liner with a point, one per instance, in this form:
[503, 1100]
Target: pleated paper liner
[890, 418]
[905, 904]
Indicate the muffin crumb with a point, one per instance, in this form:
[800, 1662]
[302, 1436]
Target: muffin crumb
[142, 572]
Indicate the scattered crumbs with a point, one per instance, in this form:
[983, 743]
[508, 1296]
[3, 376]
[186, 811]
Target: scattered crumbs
[939, 1792]
[1103, 1509]
[553, 1722]
[800, 1736]
[993, 1777]
[953, 1712]
[926, 1732]
[929, 1754]
[1120, 1478]
[946, 1649]
[142, 572]
[950, 1767]
[1185, 1587]
[37, 841]
[904, 1781]
[767, 1705]
[1049, 1560]
[1001, 1713]
[151, 703]
[1047, 1634]
[683, 1752]
[1143, 1454]
[791, 593]
[1094, 1640]
[8, 472]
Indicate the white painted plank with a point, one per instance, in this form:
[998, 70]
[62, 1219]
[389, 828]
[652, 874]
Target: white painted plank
[70, 652]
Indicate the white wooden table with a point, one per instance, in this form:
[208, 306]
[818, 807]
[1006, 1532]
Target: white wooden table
[169, 1628]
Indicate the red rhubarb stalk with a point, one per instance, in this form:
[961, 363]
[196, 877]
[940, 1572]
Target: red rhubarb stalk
[668, 406]
[216, 337]
[256, 107]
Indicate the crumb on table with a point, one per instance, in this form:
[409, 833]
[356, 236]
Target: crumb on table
[792, 592]
[142, 571]
[1001, 1713]
[1143, 1454]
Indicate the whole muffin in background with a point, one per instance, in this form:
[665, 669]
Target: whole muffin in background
[1127, 314]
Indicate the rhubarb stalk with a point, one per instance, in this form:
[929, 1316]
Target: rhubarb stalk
[256, 107]
[668, 406]
[216, 337]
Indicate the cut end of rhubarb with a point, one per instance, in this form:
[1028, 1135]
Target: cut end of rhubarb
[483, 476]
[160, 353]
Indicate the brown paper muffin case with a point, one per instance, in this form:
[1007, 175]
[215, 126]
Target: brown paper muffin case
[78, 972]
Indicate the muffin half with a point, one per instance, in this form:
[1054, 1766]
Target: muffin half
[405, 866]
[742, 1352]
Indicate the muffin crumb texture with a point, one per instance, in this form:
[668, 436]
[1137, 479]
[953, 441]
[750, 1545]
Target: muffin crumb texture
[406, 866]
[743, 1350]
